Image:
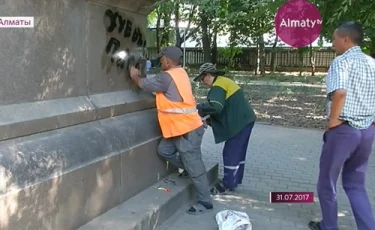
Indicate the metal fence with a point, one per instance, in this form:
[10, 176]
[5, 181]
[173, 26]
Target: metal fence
[286, 59]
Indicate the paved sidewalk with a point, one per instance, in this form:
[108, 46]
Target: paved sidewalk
[279, 159]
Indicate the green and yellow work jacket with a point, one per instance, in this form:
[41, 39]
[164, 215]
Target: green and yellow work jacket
[228, 108]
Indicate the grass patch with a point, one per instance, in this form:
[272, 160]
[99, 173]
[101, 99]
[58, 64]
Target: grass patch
[299, 106]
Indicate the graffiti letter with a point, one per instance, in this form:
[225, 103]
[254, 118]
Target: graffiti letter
[140, 41]
[122, 23]
[112, 17]
[115, 42]
[137, 37]
[128, 29]
[135, 34]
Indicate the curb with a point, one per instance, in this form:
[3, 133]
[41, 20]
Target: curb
[151, 207]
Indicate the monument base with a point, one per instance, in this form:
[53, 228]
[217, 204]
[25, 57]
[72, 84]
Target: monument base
[97, 166]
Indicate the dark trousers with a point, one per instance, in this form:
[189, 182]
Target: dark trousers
[185, 152]
[348, 149]
[234, 156]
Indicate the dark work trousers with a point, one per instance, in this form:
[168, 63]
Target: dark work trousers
[348, 149]
[234, 157]
[185, 152]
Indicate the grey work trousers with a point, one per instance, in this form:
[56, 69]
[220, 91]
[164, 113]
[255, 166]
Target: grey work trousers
[185, 152]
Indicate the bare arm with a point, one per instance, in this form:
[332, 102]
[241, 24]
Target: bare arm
[159, 83]
[336, 87]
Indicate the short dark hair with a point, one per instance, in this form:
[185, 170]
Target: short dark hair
[353, 30]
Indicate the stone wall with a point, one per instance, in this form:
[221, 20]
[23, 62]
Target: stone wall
[76, 137]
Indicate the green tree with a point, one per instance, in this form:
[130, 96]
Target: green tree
[335, 12]
[211, 21]
[184, 11]
[162, 15]
[249, 21]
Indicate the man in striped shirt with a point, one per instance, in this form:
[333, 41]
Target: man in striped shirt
[350, 133]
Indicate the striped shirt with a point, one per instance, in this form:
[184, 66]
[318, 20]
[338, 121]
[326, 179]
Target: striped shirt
[354, 71]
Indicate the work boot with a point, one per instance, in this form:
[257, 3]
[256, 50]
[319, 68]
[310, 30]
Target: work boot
[220, 189]
[314, 225]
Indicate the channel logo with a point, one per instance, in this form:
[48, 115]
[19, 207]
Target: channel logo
[16, 22]
[298, 23]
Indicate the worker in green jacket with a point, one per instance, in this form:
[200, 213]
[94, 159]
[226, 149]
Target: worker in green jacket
[232, 119]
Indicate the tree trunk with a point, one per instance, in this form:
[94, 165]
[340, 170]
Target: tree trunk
[158, 33]
[300, 57]
[178, 38]
[205, 38]
[166, 28]
[256, 71]
[273, 55]
[214, 46]
[233, 38]
[312, 60]
[262, 55]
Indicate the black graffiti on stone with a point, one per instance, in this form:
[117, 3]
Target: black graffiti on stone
[125, 27]
[137, 37]
[112, 42]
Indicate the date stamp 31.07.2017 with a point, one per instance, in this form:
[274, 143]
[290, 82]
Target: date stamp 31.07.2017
[291, 197]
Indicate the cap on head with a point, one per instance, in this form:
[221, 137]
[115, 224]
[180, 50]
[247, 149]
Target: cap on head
[207, 68]
[172, 52]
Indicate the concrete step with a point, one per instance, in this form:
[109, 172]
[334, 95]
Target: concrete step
[151, 207]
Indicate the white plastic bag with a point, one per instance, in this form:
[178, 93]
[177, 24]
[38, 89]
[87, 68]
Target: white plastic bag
[233, 220]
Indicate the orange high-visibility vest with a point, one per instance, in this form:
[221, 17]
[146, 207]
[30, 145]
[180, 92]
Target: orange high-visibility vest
[178, 118]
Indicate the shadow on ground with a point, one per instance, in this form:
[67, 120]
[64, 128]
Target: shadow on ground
[288, 105]
[263, 215]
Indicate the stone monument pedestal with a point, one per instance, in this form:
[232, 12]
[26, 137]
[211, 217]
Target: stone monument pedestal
[76, 138]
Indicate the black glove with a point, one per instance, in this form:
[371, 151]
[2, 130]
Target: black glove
[208, 121]
[200, 112]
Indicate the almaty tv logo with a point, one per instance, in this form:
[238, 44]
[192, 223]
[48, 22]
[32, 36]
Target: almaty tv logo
[298, 23]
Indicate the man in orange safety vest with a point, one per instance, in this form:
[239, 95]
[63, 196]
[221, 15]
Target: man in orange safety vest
[180, 123]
